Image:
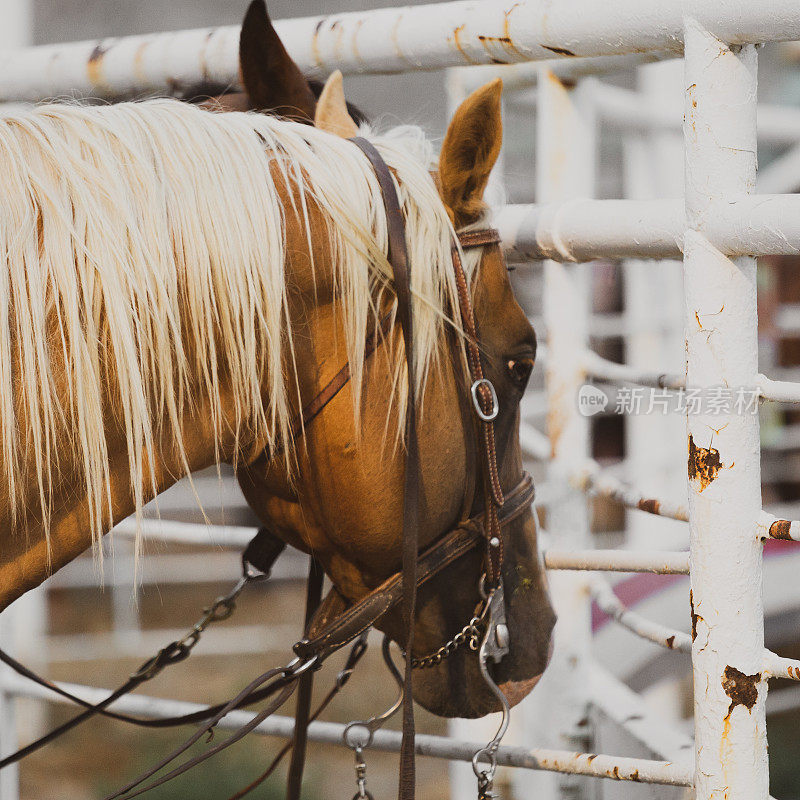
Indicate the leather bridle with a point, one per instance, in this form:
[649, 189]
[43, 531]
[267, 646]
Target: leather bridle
[335, 622]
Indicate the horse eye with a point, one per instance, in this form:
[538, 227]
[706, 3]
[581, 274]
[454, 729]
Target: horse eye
[520, 370]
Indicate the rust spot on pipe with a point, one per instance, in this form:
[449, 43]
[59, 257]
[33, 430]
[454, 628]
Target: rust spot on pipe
[650, 505]
[354, 41]
[559, 51]
[507, 31]
[591, 757]
[315, 41]
[94, 66]
[503, 40]
[704, 464]
[634, 776]
[780, 529]
[615, 773]
[671, 642]
[793, 673]
[457, 42]
[742, 689]
[695, 616]
[395, 35]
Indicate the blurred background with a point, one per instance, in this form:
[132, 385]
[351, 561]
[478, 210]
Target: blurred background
[91, 629]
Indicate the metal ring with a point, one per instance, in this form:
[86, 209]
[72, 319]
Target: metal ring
[492, 415]
[487, 753]
[349, 735]
[296, 667]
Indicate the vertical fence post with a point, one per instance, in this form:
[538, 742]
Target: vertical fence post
[557, 713]
[462, 778]
[653, 300]
[724, 459]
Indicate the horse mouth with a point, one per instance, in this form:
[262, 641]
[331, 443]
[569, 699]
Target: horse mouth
[517, 691]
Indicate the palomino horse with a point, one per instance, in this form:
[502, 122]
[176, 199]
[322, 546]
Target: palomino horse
[179, 284]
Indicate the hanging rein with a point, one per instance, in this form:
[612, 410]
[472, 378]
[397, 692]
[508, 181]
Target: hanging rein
[334, 623]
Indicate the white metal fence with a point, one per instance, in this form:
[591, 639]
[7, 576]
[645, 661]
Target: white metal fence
[718, 226]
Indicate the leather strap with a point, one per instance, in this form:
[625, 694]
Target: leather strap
[339, 380]
[356, 653]
[262, 552]
[493, 491]
[337, 623]
[305, 687]
[398, 258]
[467, 240]
[478, 238]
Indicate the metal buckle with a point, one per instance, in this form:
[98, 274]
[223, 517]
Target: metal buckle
[492, 415]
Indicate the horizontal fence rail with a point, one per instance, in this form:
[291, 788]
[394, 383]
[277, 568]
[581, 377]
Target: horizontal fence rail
[583, 229]
[391, 40]
[660, 562]
[600, 766]
[629, 110]
[612, 606]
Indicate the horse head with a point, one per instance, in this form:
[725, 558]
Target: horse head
[345, 502]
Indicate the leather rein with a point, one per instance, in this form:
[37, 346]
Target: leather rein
[334, 623]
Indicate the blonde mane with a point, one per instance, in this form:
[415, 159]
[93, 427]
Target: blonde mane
[144, 245]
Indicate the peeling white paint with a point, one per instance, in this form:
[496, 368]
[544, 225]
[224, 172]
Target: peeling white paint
[724, 458]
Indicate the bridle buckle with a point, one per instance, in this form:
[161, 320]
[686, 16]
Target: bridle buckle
[495, 409]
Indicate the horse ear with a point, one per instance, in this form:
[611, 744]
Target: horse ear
[331, 114]
[271, 79]
[470, 149]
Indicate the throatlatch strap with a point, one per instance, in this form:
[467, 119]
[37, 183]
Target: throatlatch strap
[398, 258]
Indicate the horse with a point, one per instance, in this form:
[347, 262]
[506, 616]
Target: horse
[178, 284]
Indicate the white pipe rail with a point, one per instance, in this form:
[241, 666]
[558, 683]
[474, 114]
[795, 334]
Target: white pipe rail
[633, 111]
[533, 442]
[524, 75]
[618, 768]
[724, 466]
[192, 533]
[601, 368]
[620, 704]
[611, 605]
[775, 666]
[659, 562]
[389, 40]
[772, 527]
[778, 391]
[584, 229]
[593, 479]
[782, 175]
[565, 168]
